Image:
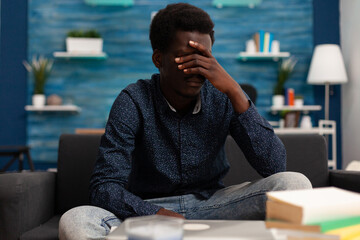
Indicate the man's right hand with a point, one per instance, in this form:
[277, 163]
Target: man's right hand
[169, 213]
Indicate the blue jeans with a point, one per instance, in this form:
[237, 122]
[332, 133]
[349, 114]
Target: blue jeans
[245, 201]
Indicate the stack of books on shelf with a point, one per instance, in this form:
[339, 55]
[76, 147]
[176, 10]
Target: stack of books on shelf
[264, 42]
[289, 96]
[320, 213]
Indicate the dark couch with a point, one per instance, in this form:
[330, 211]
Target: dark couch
[31, 203]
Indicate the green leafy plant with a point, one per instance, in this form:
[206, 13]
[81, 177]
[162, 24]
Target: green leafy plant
[84, 34]
[40, 67]
[285, 69]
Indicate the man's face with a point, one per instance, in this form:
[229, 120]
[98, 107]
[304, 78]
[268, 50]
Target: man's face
[172, 79]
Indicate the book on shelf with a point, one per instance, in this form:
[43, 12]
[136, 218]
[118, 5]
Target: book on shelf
[268, 37]
[289, 96]
[311, 206]
[263, 41]
[271, 37]
[266, 42]
[256, 38]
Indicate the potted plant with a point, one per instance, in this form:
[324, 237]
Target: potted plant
[79, 41]
[299, 100]
[40, 68]
[285, 69]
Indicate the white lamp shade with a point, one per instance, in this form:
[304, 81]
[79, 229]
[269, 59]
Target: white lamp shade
[327, 65]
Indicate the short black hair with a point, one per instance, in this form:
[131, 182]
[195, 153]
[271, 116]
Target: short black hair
[178, 16]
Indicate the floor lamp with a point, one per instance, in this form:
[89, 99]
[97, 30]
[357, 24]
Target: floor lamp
[327, 67]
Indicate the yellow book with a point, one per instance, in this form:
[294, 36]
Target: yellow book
[267, 42]
[347, 233]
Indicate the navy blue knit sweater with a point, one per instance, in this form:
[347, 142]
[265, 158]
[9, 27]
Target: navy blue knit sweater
[149, 151]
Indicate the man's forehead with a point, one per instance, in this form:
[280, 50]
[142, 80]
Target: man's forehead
[181, 40]
[183, 49]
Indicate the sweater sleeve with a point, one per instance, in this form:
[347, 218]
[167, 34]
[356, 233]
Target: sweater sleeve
[108, 184]
[260, 145]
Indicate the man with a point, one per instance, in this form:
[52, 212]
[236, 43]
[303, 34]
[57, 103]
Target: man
[163, 149]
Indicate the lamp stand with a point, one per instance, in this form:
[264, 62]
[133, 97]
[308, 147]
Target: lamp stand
[327, 92]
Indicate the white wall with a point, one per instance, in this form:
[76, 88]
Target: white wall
[350, 43]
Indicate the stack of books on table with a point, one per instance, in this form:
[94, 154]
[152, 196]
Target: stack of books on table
[320, 213]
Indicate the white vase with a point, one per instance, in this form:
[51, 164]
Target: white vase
[278, 100]
[84, 45]
[306, 122]
[299, 102]
[38, 100]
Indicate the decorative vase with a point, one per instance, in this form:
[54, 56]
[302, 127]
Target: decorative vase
[53, 100]
[38, 100]
[306, 122]
[84, 45]
[299, 102]
[278, 100]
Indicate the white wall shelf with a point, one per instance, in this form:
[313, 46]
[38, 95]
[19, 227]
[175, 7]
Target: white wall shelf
[313, 130]
[305, 108]
[70, 55]
[124, 3]
[245, 56]
[235, 3]
[53, 108]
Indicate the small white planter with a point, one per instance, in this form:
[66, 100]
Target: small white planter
[38, 100]
[306, 122]
[84, 45]
[278, 100]
[299, 102]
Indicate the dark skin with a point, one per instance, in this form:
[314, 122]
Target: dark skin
[184, 68]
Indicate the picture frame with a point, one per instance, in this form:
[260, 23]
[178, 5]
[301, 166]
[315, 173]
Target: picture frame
[292, 119]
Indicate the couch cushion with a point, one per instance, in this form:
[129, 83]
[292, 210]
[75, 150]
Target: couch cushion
[306, 153]
[47, 231]
[240, 169]
[26, 200]
[76, 160]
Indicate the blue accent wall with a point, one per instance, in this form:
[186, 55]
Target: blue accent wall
[13, 49]
[93, 85]
[327, 30]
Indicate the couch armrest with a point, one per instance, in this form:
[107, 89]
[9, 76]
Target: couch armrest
[349, 180]
[26, 200]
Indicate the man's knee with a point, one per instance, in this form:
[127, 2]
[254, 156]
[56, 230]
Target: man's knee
[83, 222]
[75, 214]
[71, 220]
[289, 181]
